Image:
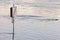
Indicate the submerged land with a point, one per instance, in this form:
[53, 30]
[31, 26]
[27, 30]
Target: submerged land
[35, 20]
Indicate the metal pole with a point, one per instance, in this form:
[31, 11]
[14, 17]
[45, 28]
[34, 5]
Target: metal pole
[13, 33]
[13, 22]
[13, 28]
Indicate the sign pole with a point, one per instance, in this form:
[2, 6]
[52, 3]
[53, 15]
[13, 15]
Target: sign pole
[13, 22]
[12, 15]
[13, 29]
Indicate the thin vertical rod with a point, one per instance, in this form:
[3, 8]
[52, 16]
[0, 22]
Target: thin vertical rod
[13, 22]
[13, 29]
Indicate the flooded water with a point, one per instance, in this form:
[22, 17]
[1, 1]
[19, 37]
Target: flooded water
[35, 20]
[27, 28]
